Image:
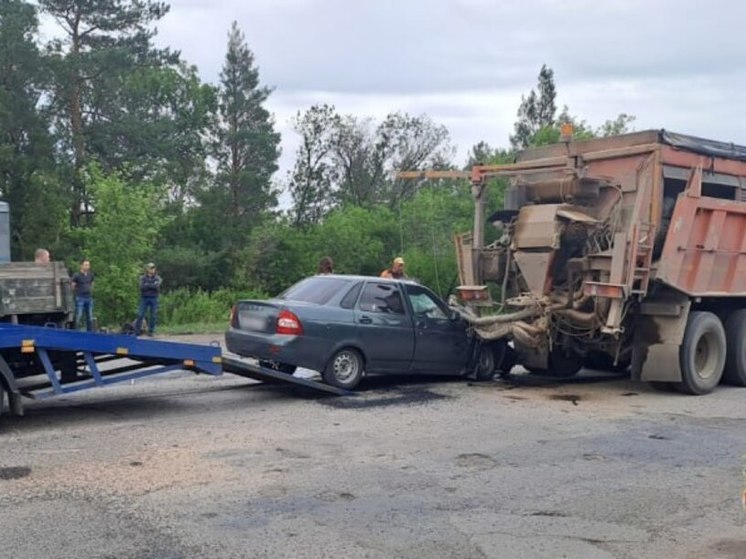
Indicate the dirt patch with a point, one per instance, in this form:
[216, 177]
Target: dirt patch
[476, 461]
[574, 398]
[157, 468]
[405, 397]
[334, 496]
[14, 472]
[724, 549]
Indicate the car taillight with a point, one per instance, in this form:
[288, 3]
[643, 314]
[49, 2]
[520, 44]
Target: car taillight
[288, 323]
[234, 316]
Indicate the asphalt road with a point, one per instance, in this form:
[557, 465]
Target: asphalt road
[190, 466]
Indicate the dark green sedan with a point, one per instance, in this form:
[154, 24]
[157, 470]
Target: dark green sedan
[349, 326]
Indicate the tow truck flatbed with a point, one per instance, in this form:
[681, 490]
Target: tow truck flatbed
[40, 362]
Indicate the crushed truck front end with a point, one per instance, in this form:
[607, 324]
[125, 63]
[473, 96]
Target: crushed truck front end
[607, 247]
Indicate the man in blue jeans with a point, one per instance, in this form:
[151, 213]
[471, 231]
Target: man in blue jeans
[83, 289]
[150, 285]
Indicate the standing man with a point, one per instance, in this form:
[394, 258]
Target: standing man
[150, 285]
[83, 289]
[396, 271]
[41, 256]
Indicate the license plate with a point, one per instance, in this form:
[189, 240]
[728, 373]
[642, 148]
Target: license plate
[253, 323]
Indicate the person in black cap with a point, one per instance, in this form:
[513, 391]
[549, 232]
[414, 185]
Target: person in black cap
[150, 285]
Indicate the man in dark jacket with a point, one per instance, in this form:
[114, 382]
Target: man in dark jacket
[150, 285]
[82, 283]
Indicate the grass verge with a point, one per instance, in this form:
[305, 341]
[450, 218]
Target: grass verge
[195, 328]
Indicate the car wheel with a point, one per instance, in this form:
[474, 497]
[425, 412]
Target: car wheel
[345, 369]
[486, 363]
[2, 399]
[277, 366]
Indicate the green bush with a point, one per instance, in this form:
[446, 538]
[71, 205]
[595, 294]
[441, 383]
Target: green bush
[184, 306]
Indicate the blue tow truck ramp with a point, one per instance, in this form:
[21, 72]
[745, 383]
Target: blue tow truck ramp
[242, 368]
[41, 362]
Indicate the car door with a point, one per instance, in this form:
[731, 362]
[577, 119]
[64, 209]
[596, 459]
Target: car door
[385, 327]
[441, 344]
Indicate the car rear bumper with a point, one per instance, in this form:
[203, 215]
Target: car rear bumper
[301, 351]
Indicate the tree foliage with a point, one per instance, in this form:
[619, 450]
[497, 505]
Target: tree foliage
[104, 42]
[538, 124]
[119, 242]
[246, 146]
[348, 160]
[536, 111]
[114, 149]
[27, 182]
[312, 181]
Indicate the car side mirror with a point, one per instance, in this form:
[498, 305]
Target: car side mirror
[454, 316]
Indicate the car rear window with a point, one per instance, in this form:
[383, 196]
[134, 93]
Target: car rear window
[317, 290]
[348, 301]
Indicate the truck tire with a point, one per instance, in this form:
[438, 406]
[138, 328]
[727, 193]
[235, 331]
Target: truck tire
[702, 354]
[562, 365]
[735, 337]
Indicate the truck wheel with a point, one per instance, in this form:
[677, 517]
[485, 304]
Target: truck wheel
[702, 354]
[735, 361]
[345, 369]
[563, 366]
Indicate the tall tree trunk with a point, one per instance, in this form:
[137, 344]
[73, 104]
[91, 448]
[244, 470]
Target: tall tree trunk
[76, 126]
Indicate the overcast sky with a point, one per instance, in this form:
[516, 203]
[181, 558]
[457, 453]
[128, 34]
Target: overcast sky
[675, 64]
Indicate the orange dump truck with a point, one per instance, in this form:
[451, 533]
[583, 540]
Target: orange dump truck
[626, 252]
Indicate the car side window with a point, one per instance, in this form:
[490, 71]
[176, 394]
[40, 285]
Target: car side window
[348, 301]
[381, 298]
[424, 304]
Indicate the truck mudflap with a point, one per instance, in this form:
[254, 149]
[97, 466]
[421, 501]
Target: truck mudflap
[657, 339]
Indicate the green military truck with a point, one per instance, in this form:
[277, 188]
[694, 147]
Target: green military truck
[31, 293]
[35, 294]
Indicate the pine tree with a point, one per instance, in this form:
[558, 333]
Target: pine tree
[26, 147]
[535, 111]
[545, 105]
[247, 145]
[104, 40]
